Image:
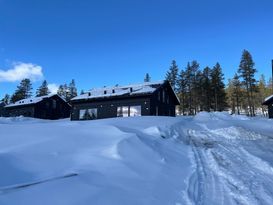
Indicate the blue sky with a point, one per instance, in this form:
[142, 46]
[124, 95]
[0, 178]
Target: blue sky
[108, 42]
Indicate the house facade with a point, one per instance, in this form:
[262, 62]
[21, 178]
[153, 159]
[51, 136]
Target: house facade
[269, 102]
[145, 99]
[45, 107]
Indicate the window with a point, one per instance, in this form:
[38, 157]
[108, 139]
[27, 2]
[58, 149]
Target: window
[156, 110]
[163, 95]
[126, 111]
[135, 111]
[123, 111]
[89, 114]
[54, 104]
[158, 95]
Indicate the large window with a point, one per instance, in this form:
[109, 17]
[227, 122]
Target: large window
[126, 111]
[89, 114]
[135, 111]
[123, 111]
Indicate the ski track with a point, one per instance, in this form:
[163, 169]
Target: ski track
[225, 172]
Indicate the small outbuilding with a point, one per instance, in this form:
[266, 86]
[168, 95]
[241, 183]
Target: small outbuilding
[157, 98]
[45, 107]
[269, 102]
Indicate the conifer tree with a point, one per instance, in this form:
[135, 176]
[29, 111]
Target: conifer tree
[236, 93]
[247, 71]
[43, 89]
[6, 99]
[147, 78]
[72, 90]
[82, 92]
[182, 91]
[23, 90]
[218, 88]
[205, 87]
[172, 75]
[61, 91]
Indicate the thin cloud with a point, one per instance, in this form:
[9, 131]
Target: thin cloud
[53, 88]
[21, 71]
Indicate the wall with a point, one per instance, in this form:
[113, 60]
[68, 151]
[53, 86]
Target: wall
[108, 108]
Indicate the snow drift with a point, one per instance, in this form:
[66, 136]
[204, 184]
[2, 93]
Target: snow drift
[212, 158]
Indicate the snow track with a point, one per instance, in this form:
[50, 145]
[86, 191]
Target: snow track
[225, 169]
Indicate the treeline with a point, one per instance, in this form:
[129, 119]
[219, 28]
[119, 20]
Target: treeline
[204, 89]
[24, 90]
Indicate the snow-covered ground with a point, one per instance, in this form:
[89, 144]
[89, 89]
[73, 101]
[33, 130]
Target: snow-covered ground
[211, 159]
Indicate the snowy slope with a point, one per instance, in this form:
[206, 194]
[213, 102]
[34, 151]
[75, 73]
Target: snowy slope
[208, 159]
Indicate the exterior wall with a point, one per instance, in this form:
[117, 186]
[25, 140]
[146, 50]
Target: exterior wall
[270, 110]
[42, 110]
[108, 108]
[163, 106]
[48, 109]
[26, 111]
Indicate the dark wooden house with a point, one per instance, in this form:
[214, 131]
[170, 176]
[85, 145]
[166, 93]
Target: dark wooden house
[2, 109]
[156, 99]
[45, 107]
[269, 102]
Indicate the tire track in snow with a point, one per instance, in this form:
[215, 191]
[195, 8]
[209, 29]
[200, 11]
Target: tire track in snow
[225, 172]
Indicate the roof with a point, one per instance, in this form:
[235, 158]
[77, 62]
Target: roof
[30, 101]
[129, 90]
[268, 100]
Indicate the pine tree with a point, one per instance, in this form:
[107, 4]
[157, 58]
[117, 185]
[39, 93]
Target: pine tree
[247, 72]
[172, 75]
[72, 90]
[191, 71]
[147, 78]
[182, 90]
[23, 90]
[43, 89]
[205, 87]
[218, 88]
[236, 93]
[6, 99]
[61, 91]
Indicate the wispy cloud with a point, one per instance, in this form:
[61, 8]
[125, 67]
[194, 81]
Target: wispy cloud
[53, 88]
[20, 71]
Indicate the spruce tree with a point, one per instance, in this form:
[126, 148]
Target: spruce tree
[147, 78]
[247, 71]
[43, 89]
[218, 88]
[205, 87]
[6, 99]
[182, 91]
[172, 75]
[236, 93]
[23, 90]
[72, 90]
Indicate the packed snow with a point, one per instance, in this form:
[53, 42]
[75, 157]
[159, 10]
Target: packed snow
[210, 159]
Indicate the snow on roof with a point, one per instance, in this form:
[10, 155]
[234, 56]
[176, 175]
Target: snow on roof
[29, 101]
[133, 89]
[268, 98]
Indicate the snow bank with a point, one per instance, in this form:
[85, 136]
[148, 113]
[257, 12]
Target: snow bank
[211, 159]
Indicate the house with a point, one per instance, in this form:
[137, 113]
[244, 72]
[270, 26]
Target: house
[2, 109]
[269, 102]
[44, 107]
[144, 99]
